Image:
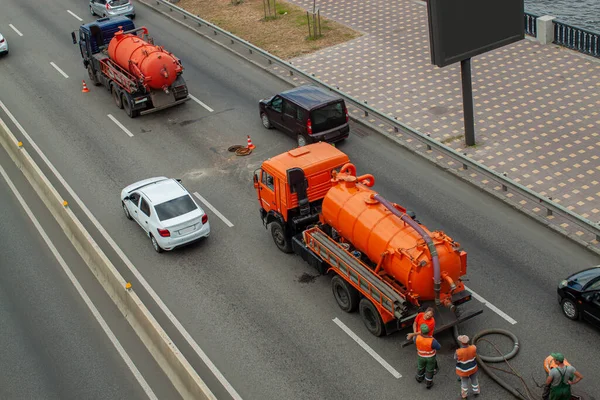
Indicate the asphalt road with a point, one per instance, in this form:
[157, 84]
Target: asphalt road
[263, 317]
[53, 347]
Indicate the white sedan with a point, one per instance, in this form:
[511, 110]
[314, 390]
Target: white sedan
[3, 45]
[165, 211]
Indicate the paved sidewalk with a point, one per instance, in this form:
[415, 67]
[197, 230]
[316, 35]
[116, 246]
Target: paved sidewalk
[536, 107]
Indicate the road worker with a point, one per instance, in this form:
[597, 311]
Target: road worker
[466, 366]
[549, 363]
[426, 318]
[426, 352]
[560, 379]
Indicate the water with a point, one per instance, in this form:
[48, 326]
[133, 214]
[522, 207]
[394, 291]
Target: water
[580, 13]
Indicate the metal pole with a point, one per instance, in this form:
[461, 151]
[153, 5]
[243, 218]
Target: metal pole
[467, 89]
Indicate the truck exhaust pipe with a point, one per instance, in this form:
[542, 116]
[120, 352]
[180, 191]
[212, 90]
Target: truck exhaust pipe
[437, 280]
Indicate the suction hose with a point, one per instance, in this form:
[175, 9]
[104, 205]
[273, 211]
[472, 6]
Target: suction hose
[482, 360]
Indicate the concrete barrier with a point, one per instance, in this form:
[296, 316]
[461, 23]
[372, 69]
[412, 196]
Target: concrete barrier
[183, 376]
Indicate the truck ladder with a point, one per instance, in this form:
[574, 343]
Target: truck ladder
[355, 271]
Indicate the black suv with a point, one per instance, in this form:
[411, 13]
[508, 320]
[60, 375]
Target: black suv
[308, 114]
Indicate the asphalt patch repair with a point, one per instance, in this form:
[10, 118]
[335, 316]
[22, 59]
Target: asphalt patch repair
[285, 35]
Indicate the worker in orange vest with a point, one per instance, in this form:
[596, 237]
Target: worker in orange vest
[550, 363]
[423, 318]
[427, 347]
[466, 366]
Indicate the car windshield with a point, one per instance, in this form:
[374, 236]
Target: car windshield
[175, 208]
[328, 117]
[582, 278]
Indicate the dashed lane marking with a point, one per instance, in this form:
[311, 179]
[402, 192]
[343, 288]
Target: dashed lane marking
[207, 204]
[15, 29]
[59, 70]
[368, 349]
[201, 103]
[492, 307]
[120, 125]
[73, 14]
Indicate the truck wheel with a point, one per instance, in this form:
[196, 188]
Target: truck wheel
[92, 75]
[281, 239]
[116, 96]
[371, 317]
[345, 294]
[131, 113]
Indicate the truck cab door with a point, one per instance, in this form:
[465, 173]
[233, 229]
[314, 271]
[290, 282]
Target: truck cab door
[266, 189]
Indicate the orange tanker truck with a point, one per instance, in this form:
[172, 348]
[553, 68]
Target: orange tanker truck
[383, 261]
[141, 77]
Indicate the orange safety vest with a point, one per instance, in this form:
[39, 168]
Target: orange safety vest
[424, 348]
[549, 363]
[466, 364]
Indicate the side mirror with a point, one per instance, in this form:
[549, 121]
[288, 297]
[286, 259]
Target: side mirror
[255, 179]
[178, 180]
[74, 37]
[126, 198]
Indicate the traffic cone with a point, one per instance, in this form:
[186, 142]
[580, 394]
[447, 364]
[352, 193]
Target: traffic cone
[85, 88]
[250, 145]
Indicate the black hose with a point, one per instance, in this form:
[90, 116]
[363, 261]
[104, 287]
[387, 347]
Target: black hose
[481, 360]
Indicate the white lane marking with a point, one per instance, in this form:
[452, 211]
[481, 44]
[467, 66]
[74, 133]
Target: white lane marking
[120, 125]
[15, 29]
[201, 103]
[73, 14]
[59, 70]
[80, 290]
[492, 307]
[207, 204]
[368, 349]
[191, 342]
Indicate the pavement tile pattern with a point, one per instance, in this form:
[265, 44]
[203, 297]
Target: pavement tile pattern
[537, 114]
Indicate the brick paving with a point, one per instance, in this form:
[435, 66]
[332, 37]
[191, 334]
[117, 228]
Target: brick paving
[536, 106]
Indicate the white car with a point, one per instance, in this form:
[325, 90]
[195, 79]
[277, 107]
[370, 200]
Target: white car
[3, 45]
[165, 211]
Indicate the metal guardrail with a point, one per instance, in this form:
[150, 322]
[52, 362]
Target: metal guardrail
[530, 24]
[579, 39]
[507, 184]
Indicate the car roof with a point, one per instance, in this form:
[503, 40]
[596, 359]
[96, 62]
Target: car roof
[161, 191]
[313, 158]
[309, 96]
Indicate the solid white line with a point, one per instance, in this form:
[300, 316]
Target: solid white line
[120, 125]
[59, 70]
[15, 29]
[80, 290]
[191, 342]
[201, 103]
[368, 349]
[492, 307]
[73, 14]
[207, 204]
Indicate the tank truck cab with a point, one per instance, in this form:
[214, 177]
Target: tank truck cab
[291, 186]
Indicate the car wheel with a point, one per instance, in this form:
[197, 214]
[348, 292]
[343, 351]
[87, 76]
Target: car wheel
[345, 294]
[265, 121]
[92, 11]
[157, 248]
[569, 308]
[281, 239]
[302, 140]
[371, 317]
[126, 211]
[116, 96]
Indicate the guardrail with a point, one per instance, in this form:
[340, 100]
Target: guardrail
[579, 39]
[506, 188]
[530, 24]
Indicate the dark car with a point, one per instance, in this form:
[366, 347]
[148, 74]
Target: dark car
[579, 295]
[308, 114]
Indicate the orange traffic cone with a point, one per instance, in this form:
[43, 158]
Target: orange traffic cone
[250, 145]
[85, 88]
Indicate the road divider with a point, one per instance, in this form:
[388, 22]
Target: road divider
[201, 103]
[74, 15]
[214, 210]
[184, 378]
[59, 70]
[120, 125]
[136, 373]
[15, 29]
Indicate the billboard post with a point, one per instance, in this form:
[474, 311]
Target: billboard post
[467, 91]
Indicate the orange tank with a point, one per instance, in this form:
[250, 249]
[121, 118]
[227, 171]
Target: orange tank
[371, 228]
[156, 67]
